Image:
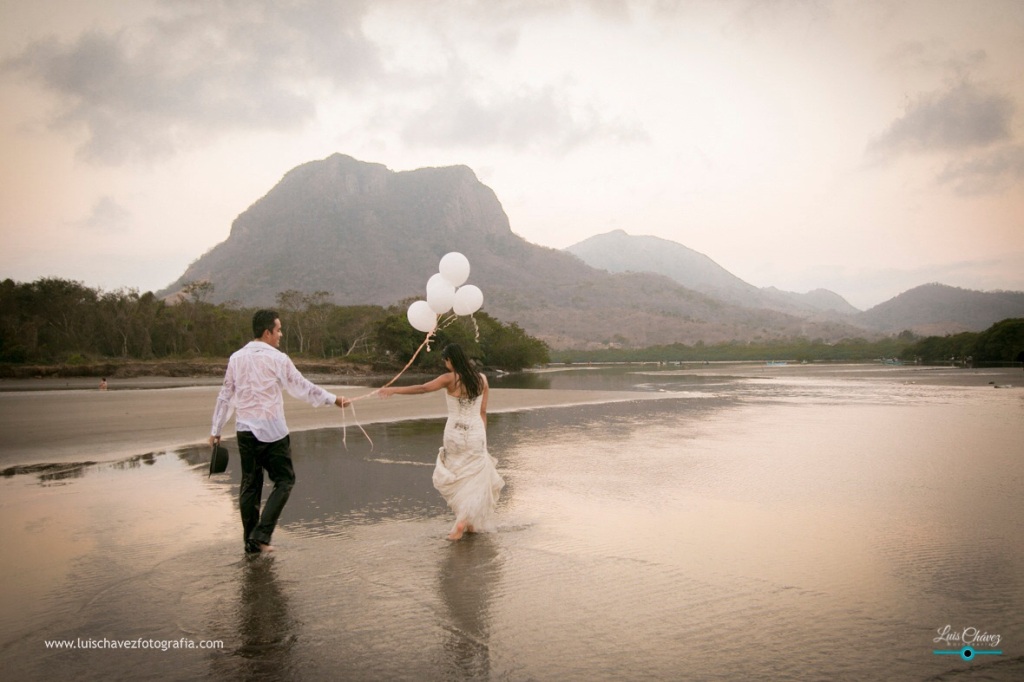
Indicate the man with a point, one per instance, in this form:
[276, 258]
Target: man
[252, 387]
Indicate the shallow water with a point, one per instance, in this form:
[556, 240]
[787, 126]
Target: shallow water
[798, 525]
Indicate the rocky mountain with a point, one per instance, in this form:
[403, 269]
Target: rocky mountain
[932, 309]
[937, 309]
[369, 235]
[618, 251]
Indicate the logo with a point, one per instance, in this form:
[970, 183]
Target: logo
[969, 639]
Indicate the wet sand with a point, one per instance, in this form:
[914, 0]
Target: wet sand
[782, 523]
[44, 421]
[76, 426]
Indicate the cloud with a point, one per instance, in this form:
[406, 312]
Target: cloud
[988, 173]
[107, 216]
[200, 69]
[528, 118]
[147, 90]
[962, 117]
[934, 55]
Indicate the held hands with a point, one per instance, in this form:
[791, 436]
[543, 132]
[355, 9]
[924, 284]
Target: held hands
[342, 402]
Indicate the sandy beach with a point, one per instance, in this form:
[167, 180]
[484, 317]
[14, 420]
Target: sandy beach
[717, 523]
[44, 421]
[86, 425]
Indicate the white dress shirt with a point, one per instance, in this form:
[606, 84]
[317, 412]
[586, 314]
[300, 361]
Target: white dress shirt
[252, 388]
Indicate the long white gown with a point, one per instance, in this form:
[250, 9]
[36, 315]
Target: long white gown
[465, 473]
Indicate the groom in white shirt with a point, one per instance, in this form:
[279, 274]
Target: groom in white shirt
[252, 388]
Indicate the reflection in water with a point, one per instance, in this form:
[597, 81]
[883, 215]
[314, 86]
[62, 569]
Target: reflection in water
[135, 462]
[266, 629]
[336, 487]
[520, 380]
[811, 527]
[631, 377]
[49, 472]
[467, 581]
[59, 474]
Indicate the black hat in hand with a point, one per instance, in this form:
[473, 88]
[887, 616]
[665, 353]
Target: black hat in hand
[218, 459]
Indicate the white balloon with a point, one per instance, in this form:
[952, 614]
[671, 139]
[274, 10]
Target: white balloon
[468, 300]
[454, 267]
[421, 317]
[440, 294]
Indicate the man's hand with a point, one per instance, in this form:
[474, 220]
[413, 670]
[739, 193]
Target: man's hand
[214, 440]
[342, 401]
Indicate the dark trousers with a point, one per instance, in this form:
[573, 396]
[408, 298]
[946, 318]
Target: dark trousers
[256, 456]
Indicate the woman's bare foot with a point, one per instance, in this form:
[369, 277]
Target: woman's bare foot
[457, 532]
[265, 548]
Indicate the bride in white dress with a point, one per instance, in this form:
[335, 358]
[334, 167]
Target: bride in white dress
[465, 473]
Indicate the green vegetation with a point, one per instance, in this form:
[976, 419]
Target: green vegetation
[484, 339]
[56, 321]
[1001, 343]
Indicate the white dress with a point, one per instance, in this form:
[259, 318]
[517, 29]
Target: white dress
[465, 473]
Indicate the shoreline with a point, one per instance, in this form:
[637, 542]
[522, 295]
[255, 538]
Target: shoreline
[89, 427]
[63, 421]
[755, 501]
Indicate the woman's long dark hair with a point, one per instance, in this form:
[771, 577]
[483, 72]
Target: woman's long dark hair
[467, 376]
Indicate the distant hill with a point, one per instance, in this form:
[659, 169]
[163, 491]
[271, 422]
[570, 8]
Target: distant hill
[369, 235]
[937, 309]
[820, 301]
[618, 251]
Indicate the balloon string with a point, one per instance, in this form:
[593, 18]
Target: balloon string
[426, 343]
[344, 432]
[351, 401]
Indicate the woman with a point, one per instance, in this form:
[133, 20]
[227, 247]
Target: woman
[464, 473]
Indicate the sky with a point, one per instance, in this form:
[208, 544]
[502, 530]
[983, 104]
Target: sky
[861, 146]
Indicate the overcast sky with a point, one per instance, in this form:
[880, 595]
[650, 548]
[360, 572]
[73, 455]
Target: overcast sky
[864, 147]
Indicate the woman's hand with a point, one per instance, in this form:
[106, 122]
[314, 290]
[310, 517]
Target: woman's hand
[385, 392]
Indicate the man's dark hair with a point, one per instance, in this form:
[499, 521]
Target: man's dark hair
[262, 321]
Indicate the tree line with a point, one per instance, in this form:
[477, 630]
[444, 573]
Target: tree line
[59, 321]
[1002, 343]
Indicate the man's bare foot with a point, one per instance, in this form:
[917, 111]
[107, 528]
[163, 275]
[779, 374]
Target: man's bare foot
[457, 532]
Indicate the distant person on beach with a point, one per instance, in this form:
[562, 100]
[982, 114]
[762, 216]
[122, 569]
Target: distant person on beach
[464, 473]
[252, 388]
[103, 384]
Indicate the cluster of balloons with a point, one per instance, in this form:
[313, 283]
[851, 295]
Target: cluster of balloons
[446, 291]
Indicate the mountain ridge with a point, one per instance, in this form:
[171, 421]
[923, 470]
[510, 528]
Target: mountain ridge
[936, 309]
[370, 235]
[618, 251]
